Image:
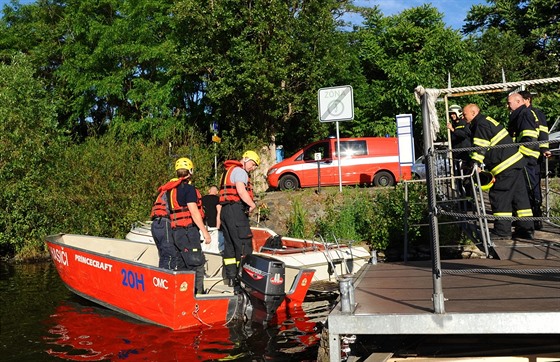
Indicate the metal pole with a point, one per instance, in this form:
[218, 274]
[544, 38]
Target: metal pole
[339, 156]
[318, 176]
[406, 214]
[215, 165]
[437, 296]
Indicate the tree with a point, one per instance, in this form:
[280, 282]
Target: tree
[522, 38]
[535, 22]
[400, 52]
[262, 64]
[30, 142]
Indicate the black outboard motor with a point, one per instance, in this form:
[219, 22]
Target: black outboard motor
[263, 279]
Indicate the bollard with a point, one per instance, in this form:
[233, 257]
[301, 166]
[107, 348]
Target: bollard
[345, 306]
[351, 294]
[373, 259]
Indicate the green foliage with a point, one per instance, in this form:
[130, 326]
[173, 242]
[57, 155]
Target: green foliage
[110, 92]
[375, 217]
[297, 221]
[29, 146]
[397, 54]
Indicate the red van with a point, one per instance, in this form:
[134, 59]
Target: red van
[365, 161]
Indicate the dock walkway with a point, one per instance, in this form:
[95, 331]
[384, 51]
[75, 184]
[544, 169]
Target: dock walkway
[482, 297]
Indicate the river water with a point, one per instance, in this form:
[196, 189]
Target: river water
[41, 320]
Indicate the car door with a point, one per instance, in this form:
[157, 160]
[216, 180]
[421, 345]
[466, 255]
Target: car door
[354, 168]
[311, 168]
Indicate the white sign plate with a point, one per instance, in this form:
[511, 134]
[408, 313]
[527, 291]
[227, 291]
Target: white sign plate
[336, 104]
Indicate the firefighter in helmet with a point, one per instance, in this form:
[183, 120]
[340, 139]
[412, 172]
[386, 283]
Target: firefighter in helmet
[182, 202]
[236, 203]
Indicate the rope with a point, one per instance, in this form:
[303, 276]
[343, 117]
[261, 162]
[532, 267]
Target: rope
[507, 145]
[503, 271]
[503, 86]
[195, 314]
[432, 98]
[433, 95]
[491, 217]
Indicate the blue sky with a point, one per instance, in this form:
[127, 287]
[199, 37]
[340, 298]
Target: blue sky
[454, 11]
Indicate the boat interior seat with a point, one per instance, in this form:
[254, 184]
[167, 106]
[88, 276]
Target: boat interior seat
[149, 256]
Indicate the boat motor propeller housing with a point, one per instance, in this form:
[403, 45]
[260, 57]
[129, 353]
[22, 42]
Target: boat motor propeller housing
[263, 279]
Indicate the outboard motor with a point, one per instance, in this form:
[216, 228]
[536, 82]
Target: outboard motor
[263, 279]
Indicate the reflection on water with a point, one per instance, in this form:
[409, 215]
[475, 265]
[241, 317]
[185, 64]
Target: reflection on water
[88, 333]
[43, 321]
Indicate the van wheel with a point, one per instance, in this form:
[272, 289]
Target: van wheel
[288, 182]
[383, 178]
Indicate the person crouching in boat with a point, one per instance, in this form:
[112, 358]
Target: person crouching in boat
[185, 219]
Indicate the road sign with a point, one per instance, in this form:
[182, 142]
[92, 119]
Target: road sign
[216, 139]
[336, 104]
[214, 127]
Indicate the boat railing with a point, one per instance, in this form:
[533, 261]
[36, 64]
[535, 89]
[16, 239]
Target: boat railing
[284, 251]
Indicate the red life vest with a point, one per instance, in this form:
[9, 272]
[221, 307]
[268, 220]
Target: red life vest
[180, 216]
[228, 190]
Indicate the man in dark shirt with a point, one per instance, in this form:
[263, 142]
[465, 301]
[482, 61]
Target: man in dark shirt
[210, 203]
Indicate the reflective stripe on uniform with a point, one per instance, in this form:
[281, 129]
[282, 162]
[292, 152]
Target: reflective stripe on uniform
[516, 157]
[498, 137]
[229, 261]
[529, 152]
[478, 157]
[481, 142]
[525, 213]
[528, 133]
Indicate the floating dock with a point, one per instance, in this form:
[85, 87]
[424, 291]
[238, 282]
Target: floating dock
[516, 296]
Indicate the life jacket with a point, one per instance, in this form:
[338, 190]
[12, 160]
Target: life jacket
[160, 207]
[180, 216]
[228, 190]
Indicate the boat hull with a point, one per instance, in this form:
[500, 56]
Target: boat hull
[122, 275]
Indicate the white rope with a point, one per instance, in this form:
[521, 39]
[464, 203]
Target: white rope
[504, 86]
[432, 95]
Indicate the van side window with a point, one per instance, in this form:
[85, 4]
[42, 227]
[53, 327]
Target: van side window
[321, 147]
[352, 148]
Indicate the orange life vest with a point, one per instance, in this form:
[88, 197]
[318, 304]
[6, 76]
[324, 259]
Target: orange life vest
[160, 208]
[228, 190]
[180, 216]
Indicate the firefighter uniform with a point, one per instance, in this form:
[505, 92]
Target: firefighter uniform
[506, 164]
[543, 147]
[524, 125]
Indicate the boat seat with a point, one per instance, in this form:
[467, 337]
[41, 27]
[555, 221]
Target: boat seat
[149, 257]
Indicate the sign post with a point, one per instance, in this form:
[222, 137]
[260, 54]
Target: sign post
[336, 104]
[318, 159]
[215, 128]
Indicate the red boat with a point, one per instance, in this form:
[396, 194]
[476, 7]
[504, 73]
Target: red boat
[123, 275]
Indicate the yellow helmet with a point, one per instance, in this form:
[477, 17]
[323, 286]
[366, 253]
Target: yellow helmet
[184, 163]
[486, 180]
[252, 155]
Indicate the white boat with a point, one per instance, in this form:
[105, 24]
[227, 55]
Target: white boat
[330, 260]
